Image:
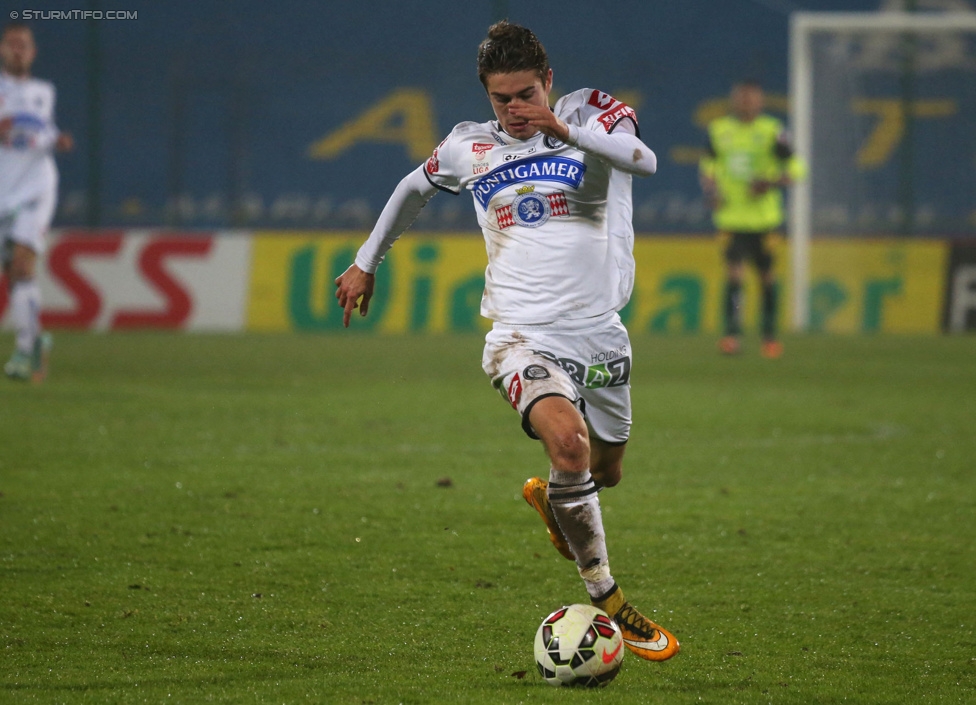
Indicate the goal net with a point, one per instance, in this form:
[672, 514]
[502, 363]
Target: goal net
[884, 113]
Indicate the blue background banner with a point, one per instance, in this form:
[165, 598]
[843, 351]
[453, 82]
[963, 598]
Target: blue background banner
[306, 114]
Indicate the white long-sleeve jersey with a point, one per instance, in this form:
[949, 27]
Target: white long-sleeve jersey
[27, 168]
[557, 218]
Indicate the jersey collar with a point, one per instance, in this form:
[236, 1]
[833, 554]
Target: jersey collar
[497, 130]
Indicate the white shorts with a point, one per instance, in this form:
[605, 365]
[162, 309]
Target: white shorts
[28, 223]
[586, 361]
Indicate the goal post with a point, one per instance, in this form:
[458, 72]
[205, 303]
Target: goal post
[873, 62]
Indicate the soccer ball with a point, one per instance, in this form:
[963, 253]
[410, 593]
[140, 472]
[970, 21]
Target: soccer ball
[578, 645]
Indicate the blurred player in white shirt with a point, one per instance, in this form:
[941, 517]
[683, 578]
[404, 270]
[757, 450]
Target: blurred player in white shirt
[552, 192]
[28, 192]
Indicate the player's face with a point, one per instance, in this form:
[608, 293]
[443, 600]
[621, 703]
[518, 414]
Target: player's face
[508, 90]
[17, 51]
[747, 102]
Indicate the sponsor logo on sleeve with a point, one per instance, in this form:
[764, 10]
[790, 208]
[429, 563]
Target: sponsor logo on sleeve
[601, 100]
[612, 117]
[434, 163]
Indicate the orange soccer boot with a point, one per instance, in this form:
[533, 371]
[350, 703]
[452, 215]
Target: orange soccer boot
[729, 345]
[772, 349]
[642, 636]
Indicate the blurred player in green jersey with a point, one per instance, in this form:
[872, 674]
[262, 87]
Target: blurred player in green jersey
[748, 161]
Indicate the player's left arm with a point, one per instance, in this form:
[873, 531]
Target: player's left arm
[792, 168]
[791, 164]
[49, 137]
[63, 141]
[621, 147]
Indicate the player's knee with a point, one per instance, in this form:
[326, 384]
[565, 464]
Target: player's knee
[569, 449]
[606, 462]
[607, 468]
[608, 475]
[17, 275]
[22, 265]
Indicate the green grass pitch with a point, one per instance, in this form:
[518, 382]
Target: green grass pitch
[338, 519]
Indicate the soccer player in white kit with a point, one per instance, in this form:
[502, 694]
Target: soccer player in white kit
[552, 192]
[28, 192]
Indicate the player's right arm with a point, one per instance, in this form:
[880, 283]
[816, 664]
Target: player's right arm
[706, 174]
[59, 140]
[43, 134]
[354, 287]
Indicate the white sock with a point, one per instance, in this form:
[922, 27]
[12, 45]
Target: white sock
[574, 500]
[25, 314]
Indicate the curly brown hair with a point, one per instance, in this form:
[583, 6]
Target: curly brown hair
[509, 48]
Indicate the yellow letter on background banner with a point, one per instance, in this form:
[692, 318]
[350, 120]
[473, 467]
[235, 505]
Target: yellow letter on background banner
[406, 117]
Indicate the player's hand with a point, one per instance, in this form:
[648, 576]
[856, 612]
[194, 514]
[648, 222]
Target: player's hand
[65, 142]
[543, 119]
[760, 186]
[6, 127]
[350, 286]
[710, 190]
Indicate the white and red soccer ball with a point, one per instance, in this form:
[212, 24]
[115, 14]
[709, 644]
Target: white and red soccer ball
[578, 645]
